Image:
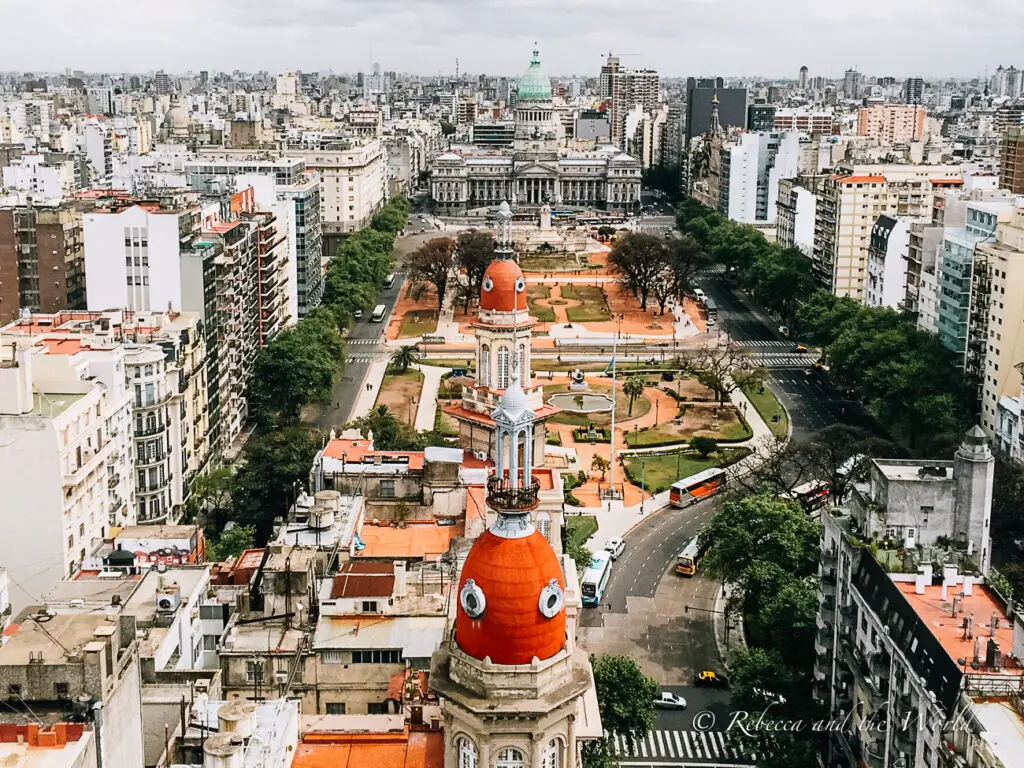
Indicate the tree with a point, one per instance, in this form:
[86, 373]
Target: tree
[275, 464]
[297, 367]
[633, 388]
[599, 464]
[580, 554]
[605, 231]
[447, 129]
[390, 434]
[434, 263]
[625, 696]
[705, 446]
[638, 259]
[404, 356]
[834, 451]
[231, 543]
[474, 252]
[722, 368]
[685, 259]
[209, 497]
[780, 279]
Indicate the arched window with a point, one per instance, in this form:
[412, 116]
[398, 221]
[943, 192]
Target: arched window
[544, 524]
[510, 757]
[502, 367]
[484, 372]
[553, 754]
[467, 754]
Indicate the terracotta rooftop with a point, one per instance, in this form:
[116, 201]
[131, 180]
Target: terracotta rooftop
[62, 346]
[364, 579]
[860, 179]
[937, 615]
[426, 540]
[411, 749]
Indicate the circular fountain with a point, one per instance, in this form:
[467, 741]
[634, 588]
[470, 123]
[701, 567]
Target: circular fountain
[581, 402]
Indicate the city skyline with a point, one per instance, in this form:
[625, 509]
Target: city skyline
[427, 36]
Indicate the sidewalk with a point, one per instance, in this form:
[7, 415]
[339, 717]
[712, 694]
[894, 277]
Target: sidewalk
[427, 409]
[374, 378]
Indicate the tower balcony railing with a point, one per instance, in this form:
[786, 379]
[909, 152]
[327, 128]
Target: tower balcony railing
[501, 495]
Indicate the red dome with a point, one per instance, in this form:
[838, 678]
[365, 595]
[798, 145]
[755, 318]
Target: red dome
[511, 574]
[504, 287]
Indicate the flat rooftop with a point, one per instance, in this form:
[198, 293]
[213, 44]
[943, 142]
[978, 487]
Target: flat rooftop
[263, 637]
[417, 636]
[70, 630]
[406, 749]
[142, 603]
[53, 404]
[937, 615]
[894, 469]
[1004, 730]
[419, 539]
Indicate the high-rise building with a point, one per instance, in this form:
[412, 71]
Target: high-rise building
[761, 117]
[750, 170]
[1011, 160]
[801, 119]
[891, 123]
[162, 83]
[64, 424]
[852, 83]
[851, 201]
[887, 262]
[42, 260]
[732, 106]
[630, 89]
[608, 70]
[801, 81]
[913, 90]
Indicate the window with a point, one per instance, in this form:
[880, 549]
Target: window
[377, 708]
[335, 708]
[467, 753]
[387, 488]
[377, 657]
[60, 690]
[14, 691]
[253, 671]
[510, 758]
[484, 374]
[502, 367]
[544, 524]
[553, 754]
[369, 606]
[210, 642]
[332, 656]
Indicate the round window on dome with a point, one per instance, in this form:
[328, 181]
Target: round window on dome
[488, 284]
[472, 599]
[520, 285]
[552, 598]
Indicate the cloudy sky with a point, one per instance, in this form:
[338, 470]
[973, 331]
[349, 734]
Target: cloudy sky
[676, 37]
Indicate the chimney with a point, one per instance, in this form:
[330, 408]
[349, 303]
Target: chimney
[920, 582]
[979, 648]
[993, 624]
[944, 591]
[970, 626]
[400, 589]
[956, 606]
[968, 585]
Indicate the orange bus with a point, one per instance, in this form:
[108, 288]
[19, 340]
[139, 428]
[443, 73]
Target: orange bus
[697, 487]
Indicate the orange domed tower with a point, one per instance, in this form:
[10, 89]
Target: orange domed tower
[516, 691]
[503, 333]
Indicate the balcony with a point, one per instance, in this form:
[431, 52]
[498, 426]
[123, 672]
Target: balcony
[150, 461]
[502, 496]
[148, 431]
[113, 480]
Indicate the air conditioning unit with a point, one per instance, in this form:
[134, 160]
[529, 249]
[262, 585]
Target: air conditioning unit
[168, 599]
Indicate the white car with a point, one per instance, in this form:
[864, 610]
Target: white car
[711, 321]
[669, 700]
[614, 547]
[784, 330]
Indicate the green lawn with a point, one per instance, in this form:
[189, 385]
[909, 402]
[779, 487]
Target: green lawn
[768, 405]
[447, 362]
[640, 407]
[579, 528]
[543, 314]
[593, 309]
[418, 323]
[660, 471]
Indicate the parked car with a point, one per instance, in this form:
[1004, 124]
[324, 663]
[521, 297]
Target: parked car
[799, 348]
[669, 700]
[711, 321]
[614, 547]
[710, 679]
[358, 314]
[784, 330]
[445, 521]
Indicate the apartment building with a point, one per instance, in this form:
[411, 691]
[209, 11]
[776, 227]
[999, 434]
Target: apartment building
[806, 121]
[38, 175]
[73, 690]
[850, 203]
[795, 212]
[751, 169]
[1011, 160]
[904, 617]
[218, 170]
[998, 314]
[63, 449]
[353, 186]
[632, 88]
[963, 294]
[42, 260]
[887, 262]
[891, 123]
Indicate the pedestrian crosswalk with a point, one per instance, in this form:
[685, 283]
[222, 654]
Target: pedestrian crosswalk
[363, 341]
[784, 360]
[677, 746]
[361, 359]
[764, 343]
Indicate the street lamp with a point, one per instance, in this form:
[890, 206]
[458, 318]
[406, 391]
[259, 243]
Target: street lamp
[620, 318]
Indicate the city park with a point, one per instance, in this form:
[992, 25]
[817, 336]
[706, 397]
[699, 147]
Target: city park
[649, 390]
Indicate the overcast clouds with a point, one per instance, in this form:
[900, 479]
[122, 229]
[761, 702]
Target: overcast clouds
[676, 37]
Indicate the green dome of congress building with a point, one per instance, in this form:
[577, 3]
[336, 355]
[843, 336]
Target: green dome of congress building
[534, 85]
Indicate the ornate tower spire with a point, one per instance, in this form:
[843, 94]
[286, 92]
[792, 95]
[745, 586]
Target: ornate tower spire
[512, 491]
[716, 126]
[504, 249]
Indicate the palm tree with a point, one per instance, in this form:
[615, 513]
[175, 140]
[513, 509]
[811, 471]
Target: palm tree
[404, 356]
[633, 388]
